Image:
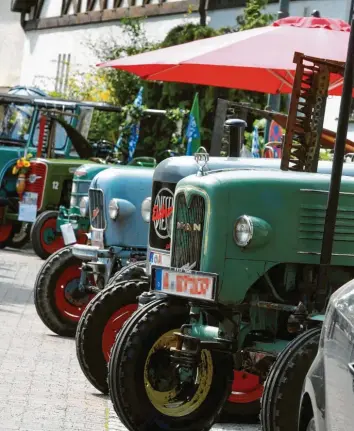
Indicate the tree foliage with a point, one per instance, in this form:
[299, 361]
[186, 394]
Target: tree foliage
[254, 16]
[121, 88]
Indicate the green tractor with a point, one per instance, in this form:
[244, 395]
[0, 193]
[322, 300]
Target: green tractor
[247, 275]
[54, 131]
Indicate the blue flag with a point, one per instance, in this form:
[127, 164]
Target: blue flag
[134, 129]
[255, 143]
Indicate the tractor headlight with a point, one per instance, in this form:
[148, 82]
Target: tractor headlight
[252, 232]
[84, 206]
[113, 209]
[243, 232]
[146, 209]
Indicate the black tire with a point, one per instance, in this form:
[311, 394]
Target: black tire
[45, 291]
[282, 392]
[37, 226]
[135, 270]
[126, 371]
[22, 237]
[89, 333]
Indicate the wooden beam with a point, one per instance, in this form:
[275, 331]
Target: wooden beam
[107, 15]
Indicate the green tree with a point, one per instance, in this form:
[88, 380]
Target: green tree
[122, 87]
[254, 16]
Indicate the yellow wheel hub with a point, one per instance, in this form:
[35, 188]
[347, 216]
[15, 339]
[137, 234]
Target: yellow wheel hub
[168, 403]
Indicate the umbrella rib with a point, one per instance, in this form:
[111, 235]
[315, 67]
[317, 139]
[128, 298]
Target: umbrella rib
[335, 84]
[281, 78]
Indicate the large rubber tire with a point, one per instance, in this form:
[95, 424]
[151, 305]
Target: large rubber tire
[61, 271]
[126, 373]
[282, 393]
[133, 270]
[43, 246]
[101, 320]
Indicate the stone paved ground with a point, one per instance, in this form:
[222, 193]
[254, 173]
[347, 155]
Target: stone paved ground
[41, 385]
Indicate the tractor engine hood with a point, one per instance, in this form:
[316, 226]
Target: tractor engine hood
[130, 186]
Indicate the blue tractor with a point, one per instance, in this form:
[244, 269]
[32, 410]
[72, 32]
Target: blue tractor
[116, 205]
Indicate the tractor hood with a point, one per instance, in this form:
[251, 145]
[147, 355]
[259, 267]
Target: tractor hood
[131, 186]
[88, 171]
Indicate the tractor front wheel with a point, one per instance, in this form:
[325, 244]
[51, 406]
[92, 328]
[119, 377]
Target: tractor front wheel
[282, 393]
[149, 390]
[58, 300]
[45, 238]
[103, 318]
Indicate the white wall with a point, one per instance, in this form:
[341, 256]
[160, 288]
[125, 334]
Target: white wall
[11, 46]
[43, 47]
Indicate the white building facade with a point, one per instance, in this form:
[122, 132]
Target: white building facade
[12, 39]
[46, 39]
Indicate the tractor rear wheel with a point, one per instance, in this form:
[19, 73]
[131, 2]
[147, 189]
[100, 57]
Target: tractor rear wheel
[57, 298]
[44, 236]
[282, 392]
[149, 390]
[102, 319]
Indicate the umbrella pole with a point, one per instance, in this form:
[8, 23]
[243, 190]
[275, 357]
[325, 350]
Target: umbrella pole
[334, 190]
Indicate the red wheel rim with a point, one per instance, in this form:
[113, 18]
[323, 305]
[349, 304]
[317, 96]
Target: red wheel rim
[113, 326]
[246, 388]
[68, 282]
[5, 232]
[50, 240]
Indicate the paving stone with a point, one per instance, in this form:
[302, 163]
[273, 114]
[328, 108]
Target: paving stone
[42, 387]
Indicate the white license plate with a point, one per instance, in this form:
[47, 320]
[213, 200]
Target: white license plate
[28, 207]
[68, 233]
[159, 259]
[191, 284]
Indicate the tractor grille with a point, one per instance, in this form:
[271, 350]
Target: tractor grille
[188, 232]
[79, 189]
[161, 215]
[97, 217]
[35, 181]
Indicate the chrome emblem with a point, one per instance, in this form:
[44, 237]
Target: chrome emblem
[33, 178]
[201, 157]
[189, 227]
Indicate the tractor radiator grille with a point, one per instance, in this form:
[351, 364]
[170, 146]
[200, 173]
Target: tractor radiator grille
[97, 217]
[188, 232]
[35, 180]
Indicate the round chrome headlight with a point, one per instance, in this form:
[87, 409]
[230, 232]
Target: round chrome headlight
[113, 209]
[146, 209]
[243, 231]
[84, 206]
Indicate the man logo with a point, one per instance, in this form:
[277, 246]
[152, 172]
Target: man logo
[189, 227]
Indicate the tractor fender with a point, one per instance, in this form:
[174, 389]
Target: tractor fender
[6, 167]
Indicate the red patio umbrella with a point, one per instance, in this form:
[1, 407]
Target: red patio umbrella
[260, 59]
